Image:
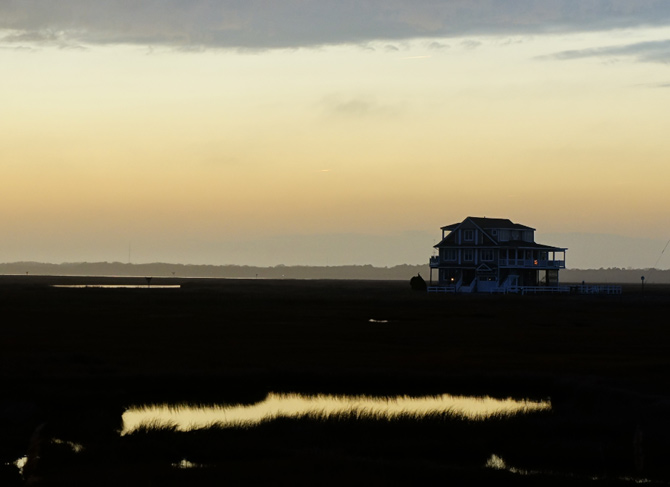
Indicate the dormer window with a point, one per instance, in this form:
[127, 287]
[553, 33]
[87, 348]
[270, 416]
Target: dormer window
[468, 235]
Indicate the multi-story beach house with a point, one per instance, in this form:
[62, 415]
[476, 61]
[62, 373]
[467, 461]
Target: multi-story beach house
[494, 255]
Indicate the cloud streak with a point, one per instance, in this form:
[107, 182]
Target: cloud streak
[357, 107]
[651, 51]
[266, 24]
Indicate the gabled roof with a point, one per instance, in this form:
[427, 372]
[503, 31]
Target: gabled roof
[490, 223]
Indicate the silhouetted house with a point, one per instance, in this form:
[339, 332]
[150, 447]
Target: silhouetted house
[494, 255]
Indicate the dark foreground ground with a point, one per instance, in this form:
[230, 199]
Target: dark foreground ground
[72, 359]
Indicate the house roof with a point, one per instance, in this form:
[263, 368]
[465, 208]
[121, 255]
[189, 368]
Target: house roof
[490, 223]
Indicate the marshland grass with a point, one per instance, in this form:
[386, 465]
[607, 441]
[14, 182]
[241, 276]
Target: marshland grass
[358, 447]
[75, 359]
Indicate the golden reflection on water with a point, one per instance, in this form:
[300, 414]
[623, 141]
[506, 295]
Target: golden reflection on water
[118, 286]
[186, 418]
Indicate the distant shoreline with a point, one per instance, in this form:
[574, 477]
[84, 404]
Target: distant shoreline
[346, 272]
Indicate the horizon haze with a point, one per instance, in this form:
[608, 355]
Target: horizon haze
[326, 133]
[585, 251]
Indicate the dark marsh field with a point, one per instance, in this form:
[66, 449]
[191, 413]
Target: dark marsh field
[73, 359]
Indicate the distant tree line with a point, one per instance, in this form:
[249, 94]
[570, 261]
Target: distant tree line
[616, 275]
[402, 272]
[398, 272]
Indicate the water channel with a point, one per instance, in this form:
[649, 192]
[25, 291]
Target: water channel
[186, 418]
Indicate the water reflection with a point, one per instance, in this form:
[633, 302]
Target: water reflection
[75, 447]
[20, 463]
[186, 418]
[497, 463]
[184, 463]
[119, 286]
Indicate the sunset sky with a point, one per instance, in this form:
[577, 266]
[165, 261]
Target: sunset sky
[326, 132]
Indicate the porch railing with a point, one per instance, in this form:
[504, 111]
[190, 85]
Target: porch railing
[531, 263]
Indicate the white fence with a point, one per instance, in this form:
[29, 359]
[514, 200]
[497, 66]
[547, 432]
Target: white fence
[582, 289]
[540, 289]
[600, 289]
[441, 289]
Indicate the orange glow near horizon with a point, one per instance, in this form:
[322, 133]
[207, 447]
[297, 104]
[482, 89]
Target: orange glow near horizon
[225, 145]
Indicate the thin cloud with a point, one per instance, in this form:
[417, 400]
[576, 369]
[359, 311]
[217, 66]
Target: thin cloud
[39, 38]
[653, 85]
[356, 107]
[512, 41]
[470, 44]
[438, 45]
[268, 24]
[650, 51]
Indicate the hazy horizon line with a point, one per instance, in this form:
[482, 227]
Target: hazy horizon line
[119, 263]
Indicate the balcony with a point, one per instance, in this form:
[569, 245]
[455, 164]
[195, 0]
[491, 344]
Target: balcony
[532, 263]
[435, 263]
